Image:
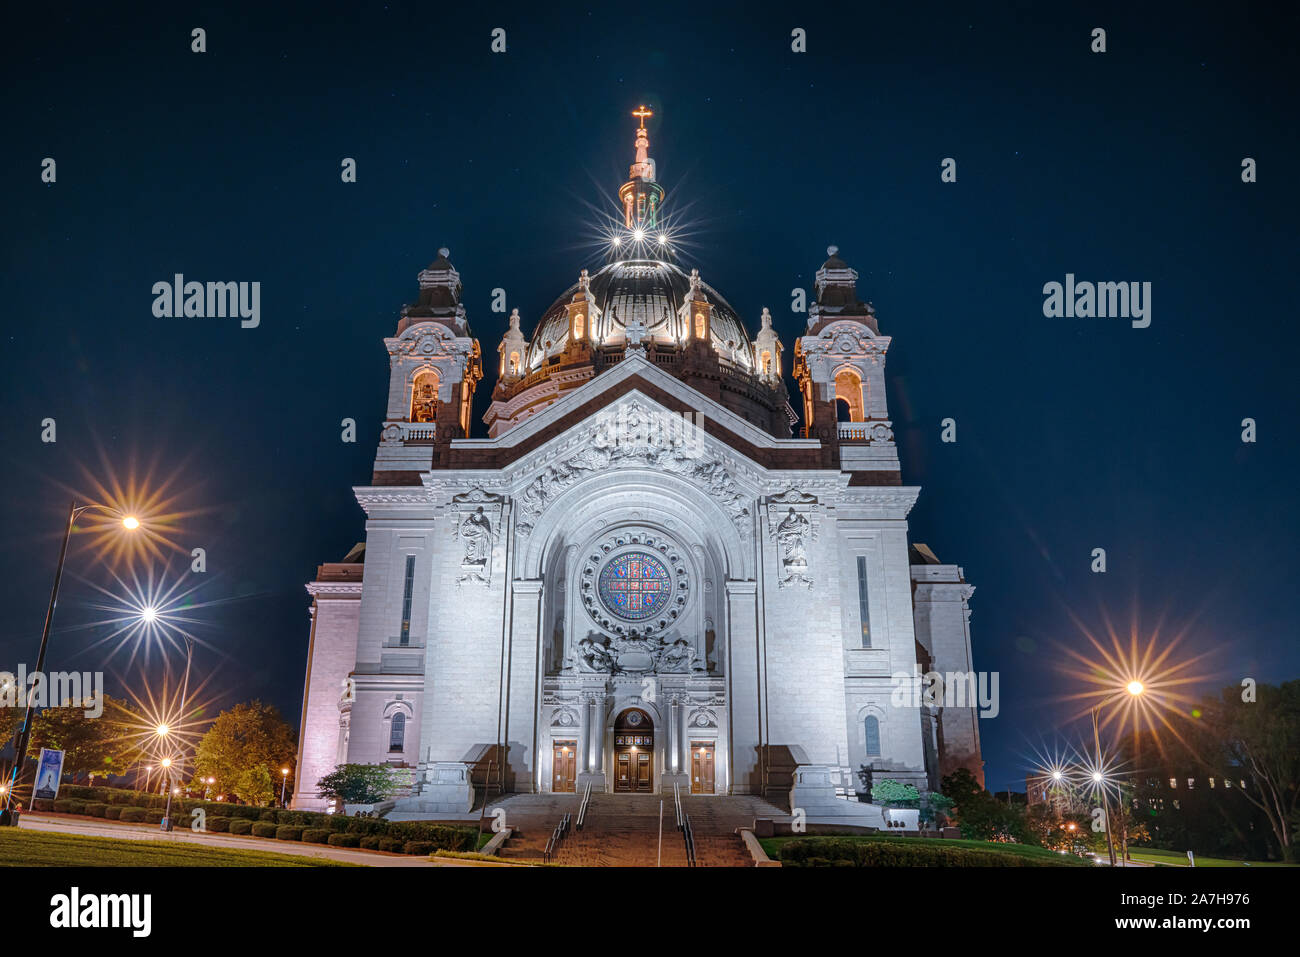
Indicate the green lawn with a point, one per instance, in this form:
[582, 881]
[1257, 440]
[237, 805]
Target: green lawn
[1151, 855]
[27, 848]
[772, 846]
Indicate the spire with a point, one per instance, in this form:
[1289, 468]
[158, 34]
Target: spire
[641, 196]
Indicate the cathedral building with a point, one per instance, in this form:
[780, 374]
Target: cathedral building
[653, 570]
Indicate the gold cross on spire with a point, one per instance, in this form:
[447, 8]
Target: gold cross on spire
[643, 113]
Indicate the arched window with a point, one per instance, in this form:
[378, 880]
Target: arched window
[578, 327]
[514, 363]
[397, 735]
[699, 325]
[848, 387]
[872, 727]
[765, 362]
[842, 411]
[424, 397]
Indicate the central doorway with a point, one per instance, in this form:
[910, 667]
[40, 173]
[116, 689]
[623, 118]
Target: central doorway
[634, 752]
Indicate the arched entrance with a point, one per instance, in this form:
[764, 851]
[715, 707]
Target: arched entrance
[634, 752]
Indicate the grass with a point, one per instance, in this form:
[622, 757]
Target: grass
[1162, 858]
[27, 848]
[772, 847]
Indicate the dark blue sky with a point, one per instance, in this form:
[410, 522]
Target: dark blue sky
[1073, 433]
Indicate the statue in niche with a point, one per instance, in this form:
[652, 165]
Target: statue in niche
[792, 535]
[476, 530]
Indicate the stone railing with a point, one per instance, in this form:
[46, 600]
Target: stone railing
[408, 432]
[876, 432]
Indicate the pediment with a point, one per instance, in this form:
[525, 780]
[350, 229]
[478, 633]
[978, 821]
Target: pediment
[636, 374]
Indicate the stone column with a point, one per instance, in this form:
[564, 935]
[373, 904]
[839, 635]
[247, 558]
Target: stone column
[593, 711]
[744, 692]
[521, 732]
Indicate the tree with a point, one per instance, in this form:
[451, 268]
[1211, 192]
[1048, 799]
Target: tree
[1258, 741]
[241, 740]
[90, 745]
[254, 786]
[359, 783]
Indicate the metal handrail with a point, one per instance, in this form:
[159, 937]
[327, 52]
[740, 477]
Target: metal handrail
[557, 835]
[582, 808]
[688, 837]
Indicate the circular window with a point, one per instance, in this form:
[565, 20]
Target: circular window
[634, 586]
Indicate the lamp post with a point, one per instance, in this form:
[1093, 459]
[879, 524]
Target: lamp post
[9, 816]
[1099, 780]
[284, 781]
[1134, 688]
[166, 823]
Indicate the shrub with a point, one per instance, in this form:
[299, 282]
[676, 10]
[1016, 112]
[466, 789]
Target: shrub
[154, 815]
[69, 806]
[288, 832]
[113, 812]
[132, 815]
[269, 814]
[344, 840]
[80, 791]
[315, 835]
[96, 808]
[391, 844]
[370, 842]
[218, 825]
[264, 829]
[359, 783]
[246, 811]
[419, 847]
[240, 825]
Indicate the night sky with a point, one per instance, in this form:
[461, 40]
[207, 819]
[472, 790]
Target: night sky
[1072, 433]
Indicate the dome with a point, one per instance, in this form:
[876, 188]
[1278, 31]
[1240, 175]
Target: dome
[651, 292]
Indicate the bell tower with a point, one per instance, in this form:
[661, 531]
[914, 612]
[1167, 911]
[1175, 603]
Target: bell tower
[840, 367]
[434, 366]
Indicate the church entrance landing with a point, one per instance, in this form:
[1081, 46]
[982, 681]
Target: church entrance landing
[634, 749]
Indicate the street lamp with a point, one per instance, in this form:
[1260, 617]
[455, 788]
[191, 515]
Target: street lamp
[284, 781]
[166, 823]
[9, 816]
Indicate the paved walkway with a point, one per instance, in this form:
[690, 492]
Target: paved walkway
[94, 827]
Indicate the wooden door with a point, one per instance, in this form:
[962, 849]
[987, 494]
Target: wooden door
[634, 763]
[701, 767]
[564, 764]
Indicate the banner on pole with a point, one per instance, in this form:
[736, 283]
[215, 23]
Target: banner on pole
[48, 773]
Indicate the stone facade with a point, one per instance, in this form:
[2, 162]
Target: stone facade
[637, 570]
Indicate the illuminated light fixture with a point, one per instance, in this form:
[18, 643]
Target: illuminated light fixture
[663, 239]
[1134, 687]
[1056, 775]
[149, 614]
[617, 241]
[162, 730]
[638, 234]
[1096, 776]
[131, 523]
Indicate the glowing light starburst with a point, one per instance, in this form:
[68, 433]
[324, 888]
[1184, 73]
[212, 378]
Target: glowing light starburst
[1135, 684]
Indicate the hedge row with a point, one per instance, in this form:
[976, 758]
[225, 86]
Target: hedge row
[839, 852]
[409, 837]
[117, 804]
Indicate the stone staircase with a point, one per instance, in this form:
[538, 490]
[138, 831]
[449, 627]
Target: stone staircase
[622, 830]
